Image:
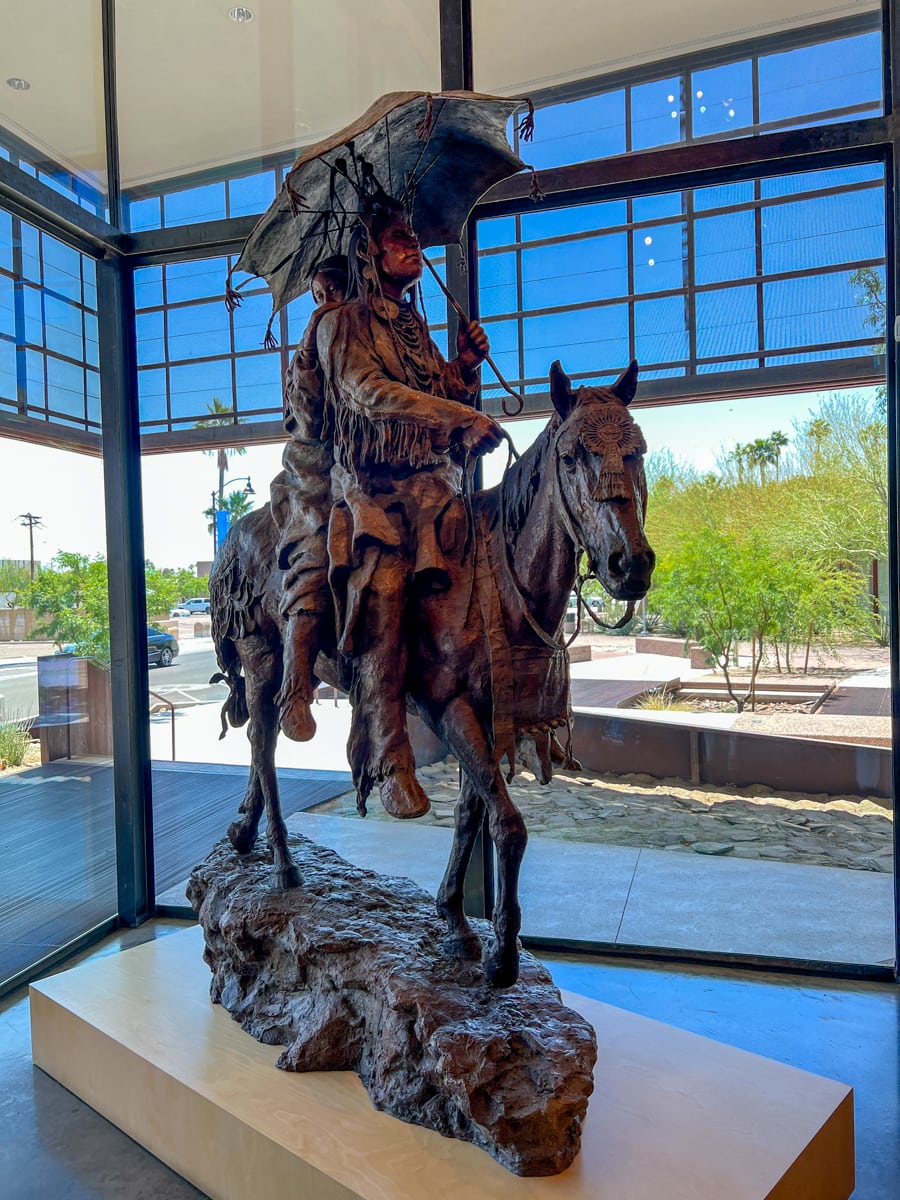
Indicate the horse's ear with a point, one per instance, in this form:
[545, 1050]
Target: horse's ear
[626, 385]
[561, 390]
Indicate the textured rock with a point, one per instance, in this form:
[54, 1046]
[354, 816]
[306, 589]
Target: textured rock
[347, 972]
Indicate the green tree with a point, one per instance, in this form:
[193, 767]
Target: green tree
[167, 586]
[220, 414]
[13, 577]
[72, 595]
[237, 504]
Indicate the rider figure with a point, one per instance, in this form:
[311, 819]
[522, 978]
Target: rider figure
[301, 506]
[404, 423]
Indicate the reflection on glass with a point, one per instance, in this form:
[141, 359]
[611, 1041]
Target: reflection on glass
[58, 868]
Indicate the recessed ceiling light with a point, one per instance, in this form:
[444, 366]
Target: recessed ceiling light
[240, 15]
[17, 84]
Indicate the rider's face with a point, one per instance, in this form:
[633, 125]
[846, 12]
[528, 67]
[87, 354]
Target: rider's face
[400, 258]
[326, 290]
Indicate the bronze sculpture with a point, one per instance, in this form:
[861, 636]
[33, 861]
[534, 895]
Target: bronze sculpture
[444, 599]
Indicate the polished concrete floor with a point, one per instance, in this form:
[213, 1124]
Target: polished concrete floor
[53, 1146]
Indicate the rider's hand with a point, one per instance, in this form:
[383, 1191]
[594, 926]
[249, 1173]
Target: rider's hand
[472, 346]
[482, 436]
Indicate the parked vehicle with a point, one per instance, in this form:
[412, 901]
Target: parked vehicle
[188, 608]
[162, 648]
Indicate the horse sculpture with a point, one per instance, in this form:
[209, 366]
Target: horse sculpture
[485, 659]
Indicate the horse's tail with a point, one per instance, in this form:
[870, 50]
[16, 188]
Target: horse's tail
[226, 601]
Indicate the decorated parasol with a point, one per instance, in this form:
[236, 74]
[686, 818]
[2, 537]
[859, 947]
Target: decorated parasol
[437, 153]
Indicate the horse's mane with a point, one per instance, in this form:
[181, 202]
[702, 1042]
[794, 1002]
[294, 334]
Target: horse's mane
[520, 481]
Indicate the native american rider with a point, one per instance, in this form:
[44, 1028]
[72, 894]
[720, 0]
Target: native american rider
[404, 427]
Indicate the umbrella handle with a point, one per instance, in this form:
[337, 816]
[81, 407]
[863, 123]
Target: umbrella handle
[460, 312]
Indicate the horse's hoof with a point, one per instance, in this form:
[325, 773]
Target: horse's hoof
[467, 947]
[402, 795]
[286, 878]
[500, 972]
[242, 837]
[297, 721]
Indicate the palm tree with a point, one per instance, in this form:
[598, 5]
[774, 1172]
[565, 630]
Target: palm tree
[236, 504]
[220, 414]
[760, 453]
[777, 441]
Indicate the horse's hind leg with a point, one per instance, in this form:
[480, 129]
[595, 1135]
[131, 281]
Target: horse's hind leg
[466, 737]
[263, 738]
[462, 941]
[242, 832]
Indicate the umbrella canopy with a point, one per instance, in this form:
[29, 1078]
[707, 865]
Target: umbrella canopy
[436, 152]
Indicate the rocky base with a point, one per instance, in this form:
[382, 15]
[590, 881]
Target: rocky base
[347, 972]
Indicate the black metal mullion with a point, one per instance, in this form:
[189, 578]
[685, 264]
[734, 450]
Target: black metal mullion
[111, 115]
[760, 277]
[127, 599]
[630, 298]
[690, 282]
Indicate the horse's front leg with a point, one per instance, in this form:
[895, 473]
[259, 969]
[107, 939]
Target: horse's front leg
[468, 739]
[462, 941]
[263, 737]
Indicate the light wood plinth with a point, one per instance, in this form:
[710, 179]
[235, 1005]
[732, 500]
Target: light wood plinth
[674, 1116]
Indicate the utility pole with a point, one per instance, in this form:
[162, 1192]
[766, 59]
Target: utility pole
[31, 521]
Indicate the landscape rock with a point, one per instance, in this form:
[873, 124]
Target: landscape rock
[347, 972]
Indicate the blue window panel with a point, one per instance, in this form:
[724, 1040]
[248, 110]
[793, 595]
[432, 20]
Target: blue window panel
[5, 241]
[7, 369]
[92, 395]
[808, 356]
[660, 330]
[723, 195]
[499, 232]
[665, 373]
[34, 380]
[4, 153]
[148, 287]
[823, 231]
[576, 272]
[435, 301]
[557, 222]
[193, 387]
[251, 194]
[656, 114]
[204, 203]
[64, 331]
[89, 274]
[497, 284]
[31, 253]
[152, 396]
[726, 322]
[740, 364]
[62, 268]
[590, 340]
[659, 257]
[7, 306]
[817, 309]
[298, 313]
[198, 331]
[440, 339]
[199, 280]
[654, 208]
[577, 131]
[725, 247]
[91, 340]
[811, 79]
[722, 98]
[27, 168]
[504, 339]
[259, 383]
[250, 322]
[811, 181]
[65, 387]
[150, 338]
[34, 316]
[144, 214]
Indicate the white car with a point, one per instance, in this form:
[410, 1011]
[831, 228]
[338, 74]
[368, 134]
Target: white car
[189, 608]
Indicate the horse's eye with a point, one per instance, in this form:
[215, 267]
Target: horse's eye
[568, 461]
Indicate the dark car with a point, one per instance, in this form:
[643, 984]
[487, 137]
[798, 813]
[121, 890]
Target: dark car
[162, 648]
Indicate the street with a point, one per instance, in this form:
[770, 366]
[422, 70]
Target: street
[186, 681]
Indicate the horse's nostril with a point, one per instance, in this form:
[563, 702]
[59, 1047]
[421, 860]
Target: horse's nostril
[617, 564]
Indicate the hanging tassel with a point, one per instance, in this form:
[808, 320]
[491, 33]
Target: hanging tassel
[535, 192]
[525, 128]
[270, 342]
[297, 202]
[423, 129]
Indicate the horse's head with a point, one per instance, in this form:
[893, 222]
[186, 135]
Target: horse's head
[598, 457]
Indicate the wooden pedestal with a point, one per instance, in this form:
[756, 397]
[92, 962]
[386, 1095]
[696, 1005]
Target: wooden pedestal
[674, 1116]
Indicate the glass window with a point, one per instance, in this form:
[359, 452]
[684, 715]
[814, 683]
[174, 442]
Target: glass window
[233, 93]
[659, 257]
[725, 247]
[578, 131]
[817, 79]
[722, 99]
[657, 113]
